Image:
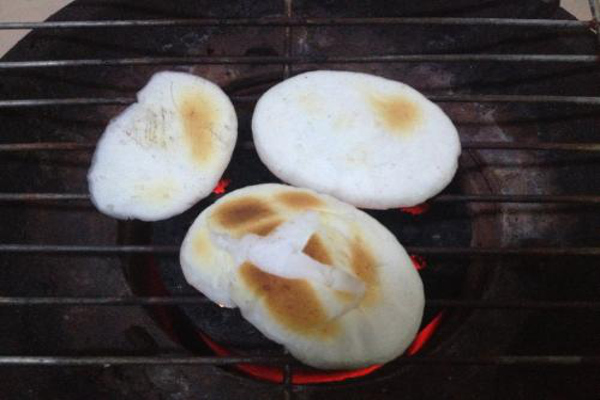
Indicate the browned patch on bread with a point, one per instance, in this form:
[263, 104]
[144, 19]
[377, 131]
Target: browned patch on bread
[299, 200]
[364, 266]
[264, 228]
[397, 113]
[315, 248]
[201, 244]
[344, 296]
[291, 302]
[199, 115]
[242, 212]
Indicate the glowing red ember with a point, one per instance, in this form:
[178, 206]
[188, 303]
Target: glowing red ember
[304, 376]
[300, 376]
[416, 210]
[425, 334]
[222, 186]
[418, 261]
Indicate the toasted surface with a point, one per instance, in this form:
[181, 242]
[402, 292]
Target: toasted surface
[310, 272]
[369, 141]
[166, 151]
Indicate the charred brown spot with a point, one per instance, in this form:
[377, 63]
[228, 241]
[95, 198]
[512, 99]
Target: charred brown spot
[265, 228]
[364, 266]
[299, 200]
[397, 113]
[199, 115]
[292, 302]
[242, 212]
[315, 248]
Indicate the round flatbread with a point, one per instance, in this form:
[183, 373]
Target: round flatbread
[312, 273]
[165, 152]
[369, 141]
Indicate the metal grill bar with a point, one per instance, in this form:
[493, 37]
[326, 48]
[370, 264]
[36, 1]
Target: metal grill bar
[479, 145]
[88, 249]
[264, 60]
[174, 250]
[289, 21]
[515, 304]
[46, 146]
[527, 146]
[541, 360]
[510, 198]
[287, 71]
[91, 101]
[500, 251]
[288, 392]
[595, 9]
[200, 300]
[445, 198]
[287, 40]
[34, 197]
[503, 360]
[514, 99]
[125, 360]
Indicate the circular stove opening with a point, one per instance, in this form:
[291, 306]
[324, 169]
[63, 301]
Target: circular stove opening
[208, 329]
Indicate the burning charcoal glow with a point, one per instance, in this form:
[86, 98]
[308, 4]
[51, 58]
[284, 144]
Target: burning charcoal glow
[301, 376]
[222, 186]
[416, 210]
[418, 261]
[424, 335]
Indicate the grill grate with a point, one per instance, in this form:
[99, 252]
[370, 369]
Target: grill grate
[479, 145]
[199, 300]
[299, 60]
[28, 198]
[289, 22]
[435, 97]
[299, 22]
[486, 361]
[174, 250]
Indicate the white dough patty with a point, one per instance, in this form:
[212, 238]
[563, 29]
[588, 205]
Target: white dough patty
[369, 141]
[165, 152]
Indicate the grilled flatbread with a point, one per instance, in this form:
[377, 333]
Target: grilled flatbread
[165, 152]
[369, 141]
[312, 273]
